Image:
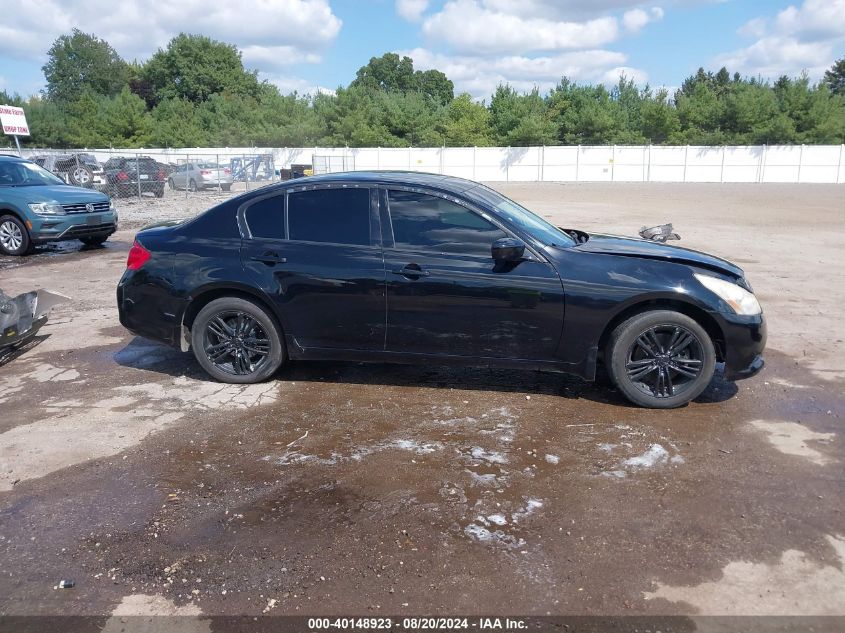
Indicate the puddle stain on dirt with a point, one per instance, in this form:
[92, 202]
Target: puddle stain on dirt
[792, 438]
[795, 585]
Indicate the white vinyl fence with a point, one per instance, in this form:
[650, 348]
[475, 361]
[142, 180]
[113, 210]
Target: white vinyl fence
[752, 164]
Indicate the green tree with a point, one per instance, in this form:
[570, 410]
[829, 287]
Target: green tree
[125, 120]
[658, 118]
[388, 73]
[520, 119]
[84, 123]
[176, 124]
[467, 123]
[80, 62]
[194, 67]
[835, 77]
[391, 73]
[434, 84]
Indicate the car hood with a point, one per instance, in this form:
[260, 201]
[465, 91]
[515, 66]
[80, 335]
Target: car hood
[63, 194]
[647, 249]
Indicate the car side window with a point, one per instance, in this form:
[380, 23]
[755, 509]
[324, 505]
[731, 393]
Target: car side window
[266, 218]
[336, 216]
[422, 221]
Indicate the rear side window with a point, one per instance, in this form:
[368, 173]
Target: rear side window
[266, 218]
[336, 216]
[421, 221]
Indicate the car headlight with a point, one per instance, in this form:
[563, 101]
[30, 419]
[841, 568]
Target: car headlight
[47, 208]
[738, 298]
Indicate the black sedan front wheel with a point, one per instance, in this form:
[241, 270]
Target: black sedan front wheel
[661, 359]
[237, 341]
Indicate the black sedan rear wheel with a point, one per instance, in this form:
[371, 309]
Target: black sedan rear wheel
[661, 359]
[237, 341]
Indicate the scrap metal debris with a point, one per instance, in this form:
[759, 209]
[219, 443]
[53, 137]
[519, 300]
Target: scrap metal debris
[661, 233]
[21, 317]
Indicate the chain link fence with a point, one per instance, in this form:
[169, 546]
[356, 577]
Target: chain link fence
[153, 174]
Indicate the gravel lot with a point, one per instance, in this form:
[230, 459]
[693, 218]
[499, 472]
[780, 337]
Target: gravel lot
[123, 468]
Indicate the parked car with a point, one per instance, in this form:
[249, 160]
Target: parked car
[123, 176]
[194, 176]
[75, 168]
[419, 268]
[37, 206]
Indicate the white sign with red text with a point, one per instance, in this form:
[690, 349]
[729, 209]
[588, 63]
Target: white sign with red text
[13, 120]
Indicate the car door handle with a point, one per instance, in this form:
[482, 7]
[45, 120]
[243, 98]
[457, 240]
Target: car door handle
[269, 258]
[411, 272]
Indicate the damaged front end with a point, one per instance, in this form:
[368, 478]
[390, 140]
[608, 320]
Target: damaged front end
[661, 233]
[21, 317]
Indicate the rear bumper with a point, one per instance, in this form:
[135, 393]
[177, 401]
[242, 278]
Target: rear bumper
[213, 182]
[147, 309]
[745, 340]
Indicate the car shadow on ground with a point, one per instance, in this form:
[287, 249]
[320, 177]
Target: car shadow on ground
[7, 355]
[55, 249]
[147, 355]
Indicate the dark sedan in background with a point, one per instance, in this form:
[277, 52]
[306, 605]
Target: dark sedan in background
[134, 176]
[409, 267]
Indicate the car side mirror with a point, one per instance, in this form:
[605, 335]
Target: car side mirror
[508, 249]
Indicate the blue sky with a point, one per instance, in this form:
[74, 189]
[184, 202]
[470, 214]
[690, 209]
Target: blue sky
[319, 44]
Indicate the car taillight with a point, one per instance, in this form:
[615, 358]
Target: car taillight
[138, 256]
[122, 175]
[227, 171]
[162, 175]
[205, 172]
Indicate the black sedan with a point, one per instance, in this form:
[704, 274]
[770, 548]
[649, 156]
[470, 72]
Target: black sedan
[411, 268]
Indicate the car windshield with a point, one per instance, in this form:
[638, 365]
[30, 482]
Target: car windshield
[25, 174]
[521, 217]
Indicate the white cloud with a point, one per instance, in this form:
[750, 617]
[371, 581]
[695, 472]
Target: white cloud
[815, 18]
[557, 10]
[468, 26]
[288, 84]
[302, 28]
[479, 76]
[799, 38]
[411, 10]
[264, 56]
[636, 19]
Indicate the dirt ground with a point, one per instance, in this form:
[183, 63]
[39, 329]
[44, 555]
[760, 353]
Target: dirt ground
[372, 489]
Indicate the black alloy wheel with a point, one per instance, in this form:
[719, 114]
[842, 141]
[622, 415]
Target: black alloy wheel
[660, 359]
[236, 340]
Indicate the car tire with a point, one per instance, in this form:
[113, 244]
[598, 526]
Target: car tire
[14, 236]
[660, 359]
[159, 192]
[170, 184]
[97, 240]
[192, 186]
[237, 364]
[81, 176]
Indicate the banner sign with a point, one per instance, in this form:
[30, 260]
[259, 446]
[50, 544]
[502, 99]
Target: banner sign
[13, 120]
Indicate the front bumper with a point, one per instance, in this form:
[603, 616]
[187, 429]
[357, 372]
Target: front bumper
[71, 227]
[744, 342]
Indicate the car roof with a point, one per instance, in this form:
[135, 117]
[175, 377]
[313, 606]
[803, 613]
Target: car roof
[408, 178]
